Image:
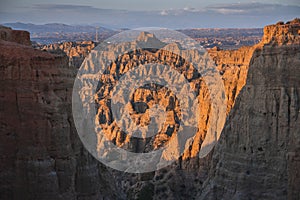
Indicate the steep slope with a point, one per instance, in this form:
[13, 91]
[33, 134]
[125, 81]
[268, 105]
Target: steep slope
[41, 156]
[233, 65]
[258, 153]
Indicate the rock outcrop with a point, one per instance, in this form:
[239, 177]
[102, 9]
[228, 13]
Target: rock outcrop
[184, 176]
[258, 153]
[282, 34]
[21, 37]
[41, 156]
[233, 65]
[76, 51]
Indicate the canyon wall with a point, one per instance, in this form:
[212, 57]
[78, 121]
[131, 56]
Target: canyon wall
[257, 156]
[41, 156]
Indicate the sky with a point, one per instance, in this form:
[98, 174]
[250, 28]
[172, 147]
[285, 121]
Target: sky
[159, 13]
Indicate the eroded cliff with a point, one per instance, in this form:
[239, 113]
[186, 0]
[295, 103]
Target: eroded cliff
[76, 51]
[41, 156]
[258, 153]
[185, 176]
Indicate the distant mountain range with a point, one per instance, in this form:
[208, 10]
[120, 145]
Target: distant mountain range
[208, 37]
[55, 27]
[59, 32]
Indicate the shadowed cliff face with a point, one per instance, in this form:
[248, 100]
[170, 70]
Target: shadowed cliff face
[41, 156]
[21, 37]
[258, 153]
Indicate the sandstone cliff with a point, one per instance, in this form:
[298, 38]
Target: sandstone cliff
[258, 154]
[41, 156]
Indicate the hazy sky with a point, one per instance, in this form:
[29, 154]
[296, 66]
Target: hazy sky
[136, 13]
[15, 5]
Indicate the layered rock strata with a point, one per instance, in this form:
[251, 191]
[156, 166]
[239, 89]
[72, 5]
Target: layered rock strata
[41, 156]
[258, 154]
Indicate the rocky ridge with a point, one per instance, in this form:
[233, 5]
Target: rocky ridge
[76, 51]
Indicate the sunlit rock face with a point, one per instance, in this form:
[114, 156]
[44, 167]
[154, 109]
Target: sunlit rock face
[233, 70]
[232, 66]
[258, 154]
[76, 51]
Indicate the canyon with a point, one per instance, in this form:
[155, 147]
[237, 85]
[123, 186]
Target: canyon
[257, 155]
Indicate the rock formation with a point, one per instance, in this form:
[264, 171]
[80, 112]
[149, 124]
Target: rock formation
[233, 67]
[21, 37]
[258, 154]
[41, 155]
[76, 51]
